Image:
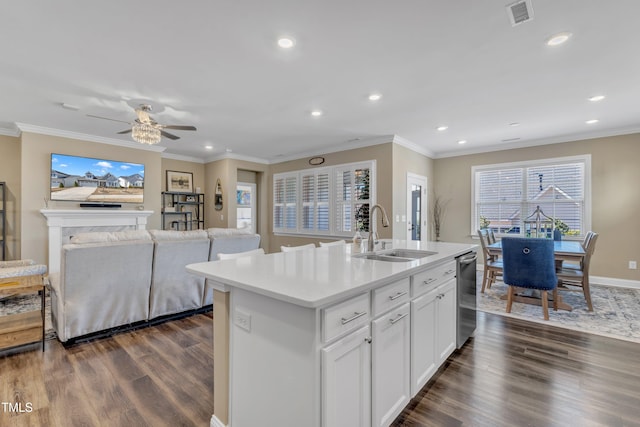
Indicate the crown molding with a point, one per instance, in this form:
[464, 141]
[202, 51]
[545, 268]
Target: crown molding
[543, 141]
[336, 148]
[14, 131]
[182, 157]
[24, 127]
[235, 156]
[413, 146]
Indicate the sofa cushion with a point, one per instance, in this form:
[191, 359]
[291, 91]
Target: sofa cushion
[110, 236]
[163, 235]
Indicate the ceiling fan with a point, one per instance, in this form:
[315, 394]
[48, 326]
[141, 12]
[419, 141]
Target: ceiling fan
[145, 129]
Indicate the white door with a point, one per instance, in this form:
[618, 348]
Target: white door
[446, 333]
[246, 205]
[390, 365]
[416, 207]
[346, 381]
[424, 359]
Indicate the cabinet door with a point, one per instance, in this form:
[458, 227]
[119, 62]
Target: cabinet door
[346, 381]
[390, 365]
[447, 317]
[424, 358]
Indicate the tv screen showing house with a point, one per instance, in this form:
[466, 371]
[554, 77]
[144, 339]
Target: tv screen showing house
[84, 179]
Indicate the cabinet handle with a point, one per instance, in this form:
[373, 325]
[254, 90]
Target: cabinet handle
[449, 272]
[426, 282]
[354, 317]
[440, 296]
[399, 317]
[398, 295]
[367, 340]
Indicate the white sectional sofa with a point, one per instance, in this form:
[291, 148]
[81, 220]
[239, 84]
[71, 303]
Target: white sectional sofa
[113, 279]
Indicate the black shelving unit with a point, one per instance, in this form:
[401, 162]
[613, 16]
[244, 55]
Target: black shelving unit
[182, 211]
[3, 220]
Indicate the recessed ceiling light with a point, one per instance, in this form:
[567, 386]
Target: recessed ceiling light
[442, 128]
[286, 42]
[374, 97]
[558, 39]
[592, 121]
[209, 147]
[462, 141]
[316, 113]
[514, 124]
[596, 98]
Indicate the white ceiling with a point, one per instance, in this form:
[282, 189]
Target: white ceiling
[216, 65]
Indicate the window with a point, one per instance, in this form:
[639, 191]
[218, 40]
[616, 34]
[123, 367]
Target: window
[330, 201]
[505, 195]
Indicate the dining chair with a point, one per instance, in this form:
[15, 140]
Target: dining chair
[258, 251]
[492, 266]
[578, 274]
[529, 263]
[334, 243]
[297, 248]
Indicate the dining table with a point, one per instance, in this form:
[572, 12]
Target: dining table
[563, 250]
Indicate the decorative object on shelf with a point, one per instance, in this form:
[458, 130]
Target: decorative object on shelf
[180, 182]
[218, 196]
[182, 211]
[315, 161]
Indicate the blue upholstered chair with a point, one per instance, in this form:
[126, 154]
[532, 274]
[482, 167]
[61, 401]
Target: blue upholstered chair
[529, 263]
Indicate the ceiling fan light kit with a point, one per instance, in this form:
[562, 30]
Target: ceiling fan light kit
[145, 134]
[145, 129]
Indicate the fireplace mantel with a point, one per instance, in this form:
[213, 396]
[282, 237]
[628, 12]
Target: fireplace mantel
[63, 221]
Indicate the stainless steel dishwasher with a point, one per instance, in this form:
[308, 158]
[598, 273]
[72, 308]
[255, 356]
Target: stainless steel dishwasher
[466, 282]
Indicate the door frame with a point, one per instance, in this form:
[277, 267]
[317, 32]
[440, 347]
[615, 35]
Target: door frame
[253, 206]
[415, 179]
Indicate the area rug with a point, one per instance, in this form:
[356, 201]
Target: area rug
[616, 311]
[21, 303]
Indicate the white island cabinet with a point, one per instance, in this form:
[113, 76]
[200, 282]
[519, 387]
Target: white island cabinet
[319, 338]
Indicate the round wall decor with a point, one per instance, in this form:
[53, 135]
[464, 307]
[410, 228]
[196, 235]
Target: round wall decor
[315, 161]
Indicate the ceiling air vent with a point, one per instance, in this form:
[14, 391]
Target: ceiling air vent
[520, 12]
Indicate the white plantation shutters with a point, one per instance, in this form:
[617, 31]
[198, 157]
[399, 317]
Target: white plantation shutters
[505, 195]
[315, 202]
[353, 200]
[327, 199]
[285, 208]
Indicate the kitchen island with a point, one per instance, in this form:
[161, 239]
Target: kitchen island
[324, 337]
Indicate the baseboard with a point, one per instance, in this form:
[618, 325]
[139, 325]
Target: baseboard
[618, 283]
[603, 281]
[215, 422]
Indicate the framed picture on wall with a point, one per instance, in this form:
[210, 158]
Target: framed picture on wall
[180, 182]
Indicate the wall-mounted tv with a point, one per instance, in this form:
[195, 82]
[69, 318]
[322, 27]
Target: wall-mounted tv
[85, 179]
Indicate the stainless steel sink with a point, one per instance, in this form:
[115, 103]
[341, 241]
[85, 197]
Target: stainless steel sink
[397, 255]
[380, 257]
[409, 253]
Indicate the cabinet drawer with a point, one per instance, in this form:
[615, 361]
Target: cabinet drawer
[429, 279]
[391, 295]
[344, 317]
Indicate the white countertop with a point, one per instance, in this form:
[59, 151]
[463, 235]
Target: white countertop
[321, 276]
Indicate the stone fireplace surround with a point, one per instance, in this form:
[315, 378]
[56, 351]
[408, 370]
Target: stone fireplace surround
[64, 223]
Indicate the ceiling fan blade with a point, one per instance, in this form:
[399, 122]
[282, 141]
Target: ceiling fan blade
[168, 135]
[179, 127]
[124, 132]
[107, 118]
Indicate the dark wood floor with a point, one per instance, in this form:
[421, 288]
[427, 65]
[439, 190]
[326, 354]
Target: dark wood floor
[513, 373]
